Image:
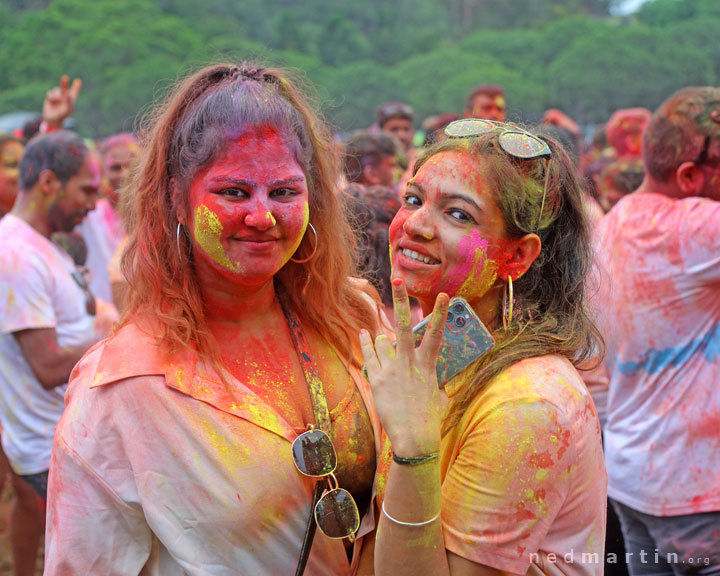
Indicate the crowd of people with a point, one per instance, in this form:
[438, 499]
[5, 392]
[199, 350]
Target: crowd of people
[207, 355]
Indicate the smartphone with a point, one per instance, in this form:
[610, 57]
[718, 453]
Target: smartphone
[464, 340]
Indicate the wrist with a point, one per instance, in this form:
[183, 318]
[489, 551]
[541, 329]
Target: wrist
[411, 448]
[47, 127]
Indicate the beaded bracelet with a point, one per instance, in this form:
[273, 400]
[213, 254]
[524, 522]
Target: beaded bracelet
[409, 523]
[415, 460]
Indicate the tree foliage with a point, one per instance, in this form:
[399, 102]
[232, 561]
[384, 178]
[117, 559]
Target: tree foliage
[571, 54]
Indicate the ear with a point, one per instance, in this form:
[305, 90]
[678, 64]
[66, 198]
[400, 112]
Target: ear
[690, 178]
[522, 253]
[176, 199]
[48, 183]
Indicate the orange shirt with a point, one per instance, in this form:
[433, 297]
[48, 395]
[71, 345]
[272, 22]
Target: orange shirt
[159, 469]
[524, 484]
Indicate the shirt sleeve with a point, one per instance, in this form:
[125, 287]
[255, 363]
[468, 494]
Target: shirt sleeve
[90, 529]
[25, 295]
[507, 485]
[700, 238]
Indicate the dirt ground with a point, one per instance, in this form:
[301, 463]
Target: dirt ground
[6, 499]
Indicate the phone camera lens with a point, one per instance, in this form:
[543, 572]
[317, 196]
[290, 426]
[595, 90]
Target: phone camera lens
[460, 322]
[450, 317]
[458, 308]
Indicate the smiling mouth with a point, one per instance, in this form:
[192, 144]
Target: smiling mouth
[417, 257]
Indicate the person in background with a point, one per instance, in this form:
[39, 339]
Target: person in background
[625, 172]
[396, 118]
[486, 101]
[28, 510]
[371, 210]
[103, 229]
[625, 129]
[619, 178]
[11, 150]
[658, 252]
[370, 159]
[46, 322]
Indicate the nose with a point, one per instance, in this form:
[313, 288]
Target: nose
[419, 224]
[260, 217]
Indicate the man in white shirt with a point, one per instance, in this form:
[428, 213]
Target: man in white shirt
[46, 323]
[659, 250]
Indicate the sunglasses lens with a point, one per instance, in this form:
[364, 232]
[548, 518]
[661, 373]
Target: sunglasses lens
[314, 453]
[468, 127]
[337, 514]
[523, 145]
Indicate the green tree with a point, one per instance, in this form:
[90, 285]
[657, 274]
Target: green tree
[628, 66]
[123, 51]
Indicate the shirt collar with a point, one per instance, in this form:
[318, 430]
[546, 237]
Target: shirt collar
[132, 353]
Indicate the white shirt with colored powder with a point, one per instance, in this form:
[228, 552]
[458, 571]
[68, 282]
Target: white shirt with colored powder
[37, 290]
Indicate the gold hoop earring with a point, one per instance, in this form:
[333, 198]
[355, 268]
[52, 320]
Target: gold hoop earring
[508, 298]
[177, 239]
[314, 248]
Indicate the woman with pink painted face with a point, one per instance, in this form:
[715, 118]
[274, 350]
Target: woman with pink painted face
[227, 417]
[500, 471]
[11, 151]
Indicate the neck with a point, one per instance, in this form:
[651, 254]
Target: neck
[228, 303]
[669, 188]
[27, 208]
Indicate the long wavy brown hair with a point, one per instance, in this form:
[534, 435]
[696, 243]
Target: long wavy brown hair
[552, 316]
[186, 132]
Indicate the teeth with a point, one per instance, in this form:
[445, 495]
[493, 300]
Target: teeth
[418, 257]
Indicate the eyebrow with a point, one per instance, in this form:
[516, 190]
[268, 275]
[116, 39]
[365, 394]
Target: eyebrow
[253, 184]
[450, 196]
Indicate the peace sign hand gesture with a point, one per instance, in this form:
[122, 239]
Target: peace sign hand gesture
[404, 382]
[60, 102]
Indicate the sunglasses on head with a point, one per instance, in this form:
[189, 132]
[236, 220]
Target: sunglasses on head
[396, 109]
[336, 513]
[513, 140]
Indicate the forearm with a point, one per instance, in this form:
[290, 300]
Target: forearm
[413, 495]
[55, 371]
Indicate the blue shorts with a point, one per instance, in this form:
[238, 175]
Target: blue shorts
[38, 482]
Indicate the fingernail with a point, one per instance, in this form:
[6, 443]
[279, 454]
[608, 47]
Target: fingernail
[397, 282]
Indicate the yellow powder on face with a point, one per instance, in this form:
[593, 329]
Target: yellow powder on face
[207, 234]
[270, 217]
[481, 278]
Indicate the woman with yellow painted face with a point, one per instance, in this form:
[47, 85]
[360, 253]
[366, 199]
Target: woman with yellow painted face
[226, 418]
[501, 471]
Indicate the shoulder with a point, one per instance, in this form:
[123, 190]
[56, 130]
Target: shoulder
[537, 376]
[549, 385]
[130, 352]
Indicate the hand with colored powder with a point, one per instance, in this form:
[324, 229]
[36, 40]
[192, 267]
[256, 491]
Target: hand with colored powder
[404, 379]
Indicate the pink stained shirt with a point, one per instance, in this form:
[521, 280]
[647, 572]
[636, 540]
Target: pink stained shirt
[660, 265]
[524, 484]
[158, 469]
